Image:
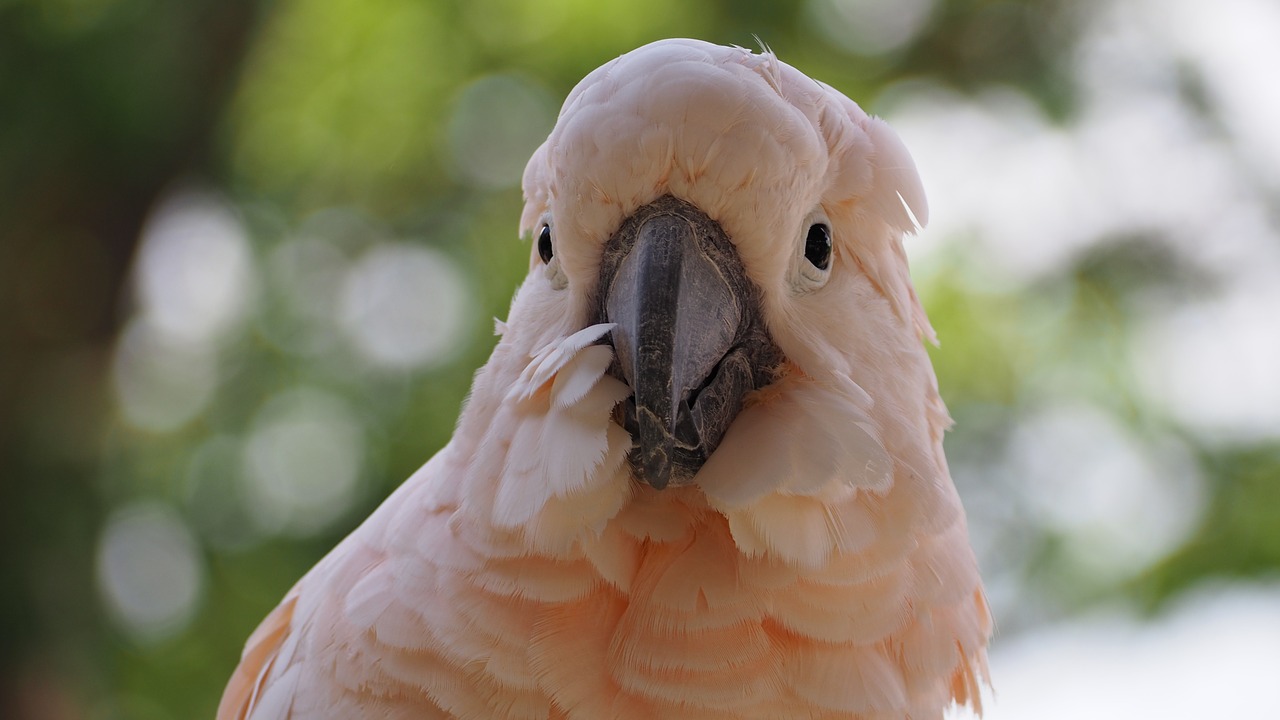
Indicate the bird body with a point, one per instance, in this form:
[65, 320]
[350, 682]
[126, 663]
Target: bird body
[803, 552]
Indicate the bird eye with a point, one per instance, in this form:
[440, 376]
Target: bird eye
[544, 244]
[817, 246]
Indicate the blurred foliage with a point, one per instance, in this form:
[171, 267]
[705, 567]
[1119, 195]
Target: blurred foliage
[322, 133]
[1238, 539]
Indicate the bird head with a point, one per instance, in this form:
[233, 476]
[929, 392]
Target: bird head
[718, 298]
[739, 226]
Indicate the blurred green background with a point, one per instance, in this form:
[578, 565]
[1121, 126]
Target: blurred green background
[250, 253]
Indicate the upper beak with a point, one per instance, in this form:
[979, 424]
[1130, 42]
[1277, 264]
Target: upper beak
[689, 337]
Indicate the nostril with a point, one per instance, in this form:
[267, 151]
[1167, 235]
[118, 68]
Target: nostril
[655, 448]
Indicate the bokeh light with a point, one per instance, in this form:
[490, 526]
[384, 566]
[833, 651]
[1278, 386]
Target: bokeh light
[307, 274]
[1119, 503]
[497, 123]
[161, 382]
[405, 306]
[193, 272]
[869, 27]
[150, 571]
[216, 499]
[302, 462]
[1214, 364]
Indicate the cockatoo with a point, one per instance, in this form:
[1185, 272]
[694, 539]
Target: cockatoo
[701, 475]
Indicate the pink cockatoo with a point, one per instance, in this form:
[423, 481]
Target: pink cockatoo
[702, 475]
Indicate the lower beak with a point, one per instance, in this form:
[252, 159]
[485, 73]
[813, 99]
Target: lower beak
[689, 338]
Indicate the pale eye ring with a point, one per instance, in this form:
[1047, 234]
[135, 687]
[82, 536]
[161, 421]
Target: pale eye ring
[815, 250]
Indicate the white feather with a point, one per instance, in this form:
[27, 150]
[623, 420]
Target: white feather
[549, 359]
[579, 375]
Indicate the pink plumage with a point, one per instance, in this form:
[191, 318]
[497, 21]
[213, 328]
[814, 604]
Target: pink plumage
[817, 565]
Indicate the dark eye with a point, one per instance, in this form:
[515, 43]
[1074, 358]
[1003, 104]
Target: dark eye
[817, 246]
[544, 244]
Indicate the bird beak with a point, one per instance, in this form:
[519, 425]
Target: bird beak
[689, 337]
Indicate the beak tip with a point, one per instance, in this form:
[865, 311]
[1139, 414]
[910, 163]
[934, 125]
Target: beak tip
[652, 454]
[657, 469]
